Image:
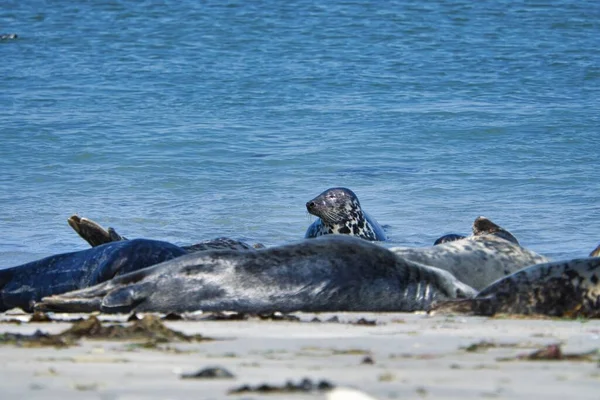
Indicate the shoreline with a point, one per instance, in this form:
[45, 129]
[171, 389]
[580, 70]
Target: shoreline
[389, 355]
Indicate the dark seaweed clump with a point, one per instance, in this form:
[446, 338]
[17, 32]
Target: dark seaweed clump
[149, 328]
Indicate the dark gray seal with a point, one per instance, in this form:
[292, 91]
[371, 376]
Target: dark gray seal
[24, 284]
[332, 273]
[481, 226]
[560, 289]
[339, 212]
[8, 36]
[96, 235]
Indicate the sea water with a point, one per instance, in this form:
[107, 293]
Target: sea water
[189, 120]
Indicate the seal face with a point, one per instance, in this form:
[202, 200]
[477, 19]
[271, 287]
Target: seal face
[339, 212]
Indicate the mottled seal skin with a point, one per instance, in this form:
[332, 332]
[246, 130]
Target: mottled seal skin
[96, 235]
[332, 273]
[481, 226]
[339, 212]
[560, 289]
[475, 260]
[24, 284]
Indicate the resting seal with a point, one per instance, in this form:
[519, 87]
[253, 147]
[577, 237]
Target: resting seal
[96, 235]
[560, 289]
[24, 284]
[332, 273]
[339, 212]
[481, 226]
[476, 260]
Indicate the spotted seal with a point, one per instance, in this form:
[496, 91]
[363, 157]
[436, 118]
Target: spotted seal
[476, 260]
[330, 273]
[96, 235]
[339, 212]
[481, 226]
[24, 284]
[561, 289]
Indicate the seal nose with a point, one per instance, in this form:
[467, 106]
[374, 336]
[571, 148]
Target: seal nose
[310, 205]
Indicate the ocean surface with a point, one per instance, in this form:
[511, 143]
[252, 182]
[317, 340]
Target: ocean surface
[189, 120]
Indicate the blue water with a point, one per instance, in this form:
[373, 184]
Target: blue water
[187, 120]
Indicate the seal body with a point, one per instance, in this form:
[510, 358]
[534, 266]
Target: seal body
[561, 289]
[332, 273]
[27, 283]
[450, 237]
[339, 212]
[475, 260]
[481, 226]
[96, 235]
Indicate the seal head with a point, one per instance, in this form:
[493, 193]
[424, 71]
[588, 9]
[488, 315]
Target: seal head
[339, 212]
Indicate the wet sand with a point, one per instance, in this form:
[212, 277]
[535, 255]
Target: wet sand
[402, 356]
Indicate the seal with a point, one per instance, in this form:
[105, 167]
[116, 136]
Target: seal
[560, 289]
[27, 283]
[339, 212]
[450, 237]
[481, 226]
[476, 260]
[595, 252]
[96, 235]
[331, 273]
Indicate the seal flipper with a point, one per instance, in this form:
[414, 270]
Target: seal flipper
[126, 299]
[595, 252]
[92, 232]
[484, 306]
[93, 298]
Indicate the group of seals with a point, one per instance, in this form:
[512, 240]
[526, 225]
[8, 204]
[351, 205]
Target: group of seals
[484, 273]
[339, 212]
[332, 273]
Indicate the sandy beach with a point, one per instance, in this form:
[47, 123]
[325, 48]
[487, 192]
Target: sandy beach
[387, 356]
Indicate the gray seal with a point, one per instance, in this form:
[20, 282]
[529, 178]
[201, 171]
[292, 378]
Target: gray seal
[475, 260]
[22, 285]
[332, 273]
[561, 289]
[481, 226]
[339, 212]
[96, 235]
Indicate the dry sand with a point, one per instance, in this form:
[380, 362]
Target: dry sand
[415, 356]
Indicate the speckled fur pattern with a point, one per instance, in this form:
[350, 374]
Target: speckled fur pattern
[560, 289]
[331, 273]
[339, 212]
[475, 260]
